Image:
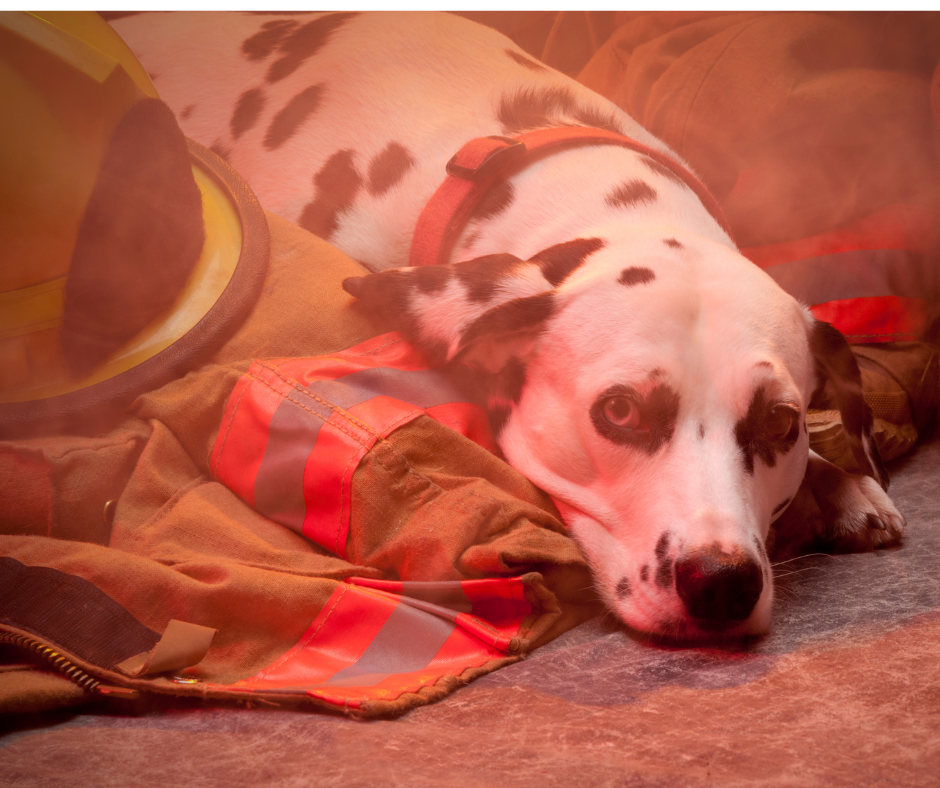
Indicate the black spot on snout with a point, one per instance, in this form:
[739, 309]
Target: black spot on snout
[663, 562]
[623, 588]
[636, 275]
[672, 243]
[632, 193]
[753, 438]
[645, 573]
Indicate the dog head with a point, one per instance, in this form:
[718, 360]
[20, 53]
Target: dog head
[656, 385]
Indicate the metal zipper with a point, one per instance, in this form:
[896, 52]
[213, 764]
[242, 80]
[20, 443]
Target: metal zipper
[63, 665]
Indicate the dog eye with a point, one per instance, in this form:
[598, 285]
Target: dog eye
[622, 412]
[781, 421]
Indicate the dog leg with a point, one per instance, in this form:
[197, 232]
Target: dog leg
[838, 512]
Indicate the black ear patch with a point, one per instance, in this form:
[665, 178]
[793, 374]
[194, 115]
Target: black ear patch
[839, 385]
[559, 261]
[482, 274]
[292, 116]
[387, 295]
[337, 184]
[513, 316]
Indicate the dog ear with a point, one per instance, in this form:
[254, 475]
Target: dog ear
[439, 308]
[839, 386]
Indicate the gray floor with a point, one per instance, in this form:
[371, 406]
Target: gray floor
[801, 707]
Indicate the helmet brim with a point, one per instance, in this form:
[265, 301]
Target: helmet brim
[220, 292]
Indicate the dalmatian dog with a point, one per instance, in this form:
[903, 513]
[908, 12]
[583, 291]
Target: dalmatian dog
[634, 364]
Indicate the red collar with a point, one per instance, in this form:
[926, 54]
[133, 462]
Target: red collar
[481, 161]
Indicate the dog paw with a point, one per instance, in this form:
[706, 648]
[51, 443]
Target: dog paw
[857, 515]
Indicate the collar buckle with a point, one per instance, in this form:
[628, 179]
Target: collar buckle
[495, 159]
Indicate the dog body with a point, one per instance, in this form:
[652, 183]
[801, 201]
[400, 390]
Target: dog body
[634, 364]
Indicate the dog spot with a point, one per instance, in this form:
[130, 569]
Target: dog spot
[266, 40]
[482, 275]
[247, 111]
[516, 315]
[187, 112]
[432, 278]
[337, 184]
[522, 60]
[753, 437]
[559, 261]
[292, 116]
[662, 546]
[701, 430]
[536, 108]
[388, 168]
[780, 507]
[496, 200]
[673, 243]
[470, 241]
[663, 563]
[220, 150]
[303, 43]
[623, 588]
[645, 573]
[636, 276]
[661, 169]
[656, 413]
[498, 415]
[632, 193]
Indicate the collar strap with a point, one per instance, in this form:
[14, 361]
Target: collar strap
[478, 164]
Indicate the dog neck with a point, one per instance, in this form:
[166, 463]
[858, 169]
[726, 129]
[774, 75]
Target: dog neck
[484, 161]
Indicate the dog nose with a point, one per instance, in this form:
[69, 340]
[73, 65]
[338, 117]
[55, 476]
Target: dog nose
[718, 589]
